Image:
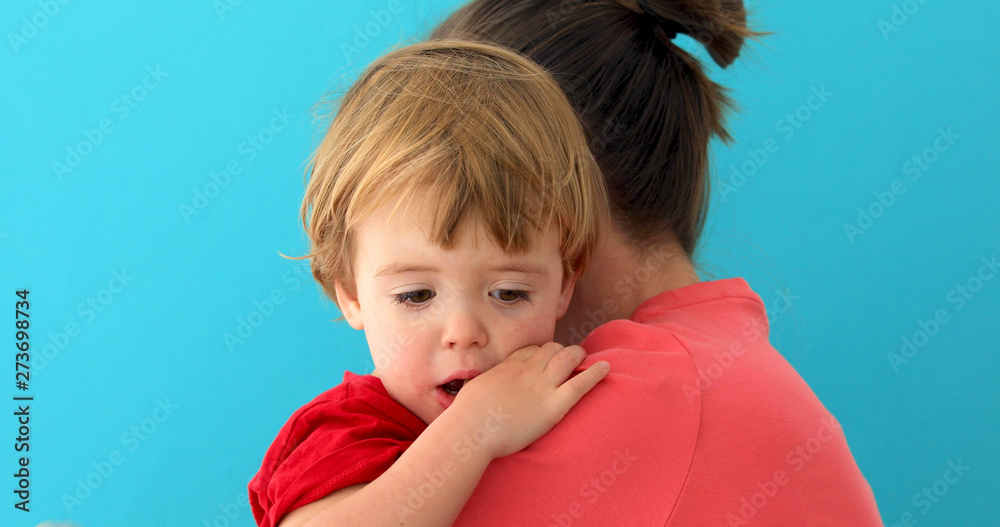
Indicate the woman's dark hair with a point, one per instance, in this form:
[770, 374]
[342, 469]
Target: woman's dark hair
[647, 106]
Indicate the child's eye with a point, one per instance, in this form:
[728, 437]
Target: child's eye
[510, 296]
[413, 298]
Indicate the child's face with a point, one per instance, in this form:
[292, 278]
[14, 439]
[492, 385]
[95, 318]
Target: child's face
[433, 315]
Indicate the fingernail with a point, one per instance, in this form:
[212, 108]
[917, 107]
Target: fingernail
[604, 364]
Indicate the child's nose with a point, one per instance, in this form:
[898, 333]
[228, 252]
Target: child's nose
[464, 330]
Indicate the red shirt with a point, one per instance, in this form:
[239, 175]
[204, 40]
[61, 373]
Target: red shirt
[349, 434]
[701, 422]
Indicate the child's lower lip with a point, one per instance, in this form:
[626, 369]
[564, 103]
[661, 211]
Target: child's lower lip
[444, 398]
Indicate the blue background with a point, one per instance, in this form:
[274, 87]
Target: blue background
[189, 280]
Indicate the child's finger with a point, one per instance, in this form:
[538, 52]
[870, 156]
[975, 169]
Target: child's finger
[575, 388]
[560, 362]
[523, 354]
[543, 355]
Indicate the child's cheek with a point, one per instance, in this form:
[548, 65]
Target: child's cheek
[389, 333]
[392, 352]
[527, 332]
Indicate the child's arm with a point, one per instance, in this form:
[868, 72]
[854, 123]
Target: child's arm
[498, 413]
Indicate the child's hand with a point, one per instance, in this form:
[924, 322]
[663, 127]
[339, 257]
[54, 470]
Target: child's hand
[530, 393]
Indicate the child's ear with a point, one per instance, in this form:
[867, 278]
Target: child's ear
[349, 306]
[566, 294]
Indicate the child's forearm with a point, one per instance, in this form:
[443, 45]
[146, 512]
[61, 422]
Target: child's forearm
[427, 486]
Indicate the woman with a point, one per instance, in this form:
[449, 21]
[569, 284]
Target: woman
[701, 421]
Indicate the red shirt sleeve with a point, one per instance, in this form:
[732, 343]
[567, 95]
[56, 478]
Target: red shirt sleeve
[349, 434]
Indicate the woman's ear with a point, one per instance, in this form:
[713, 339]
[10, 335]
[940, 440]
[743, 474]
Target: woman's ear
[349, 305]
[566, 294]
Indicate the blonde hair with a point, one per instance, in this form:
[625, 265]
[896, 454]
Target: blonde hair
[483, 128]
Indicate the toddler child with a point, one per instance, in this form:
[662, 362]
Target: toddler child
[450, 208]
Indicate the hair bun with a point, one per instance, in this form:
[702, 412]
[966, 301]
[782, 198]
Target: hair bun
[720, 25]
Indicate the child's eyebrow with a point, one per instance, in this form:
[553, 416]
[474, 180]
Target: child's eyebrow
[512, 267]
[397, 268]
[520, 267]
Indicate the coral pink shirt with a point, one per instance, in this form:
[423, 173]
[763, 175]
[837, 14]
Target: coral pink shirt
[701, 422]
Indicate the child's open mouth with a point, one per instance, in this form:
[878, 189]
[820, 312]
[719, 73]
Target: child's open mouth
[453, 387]
[446, 392]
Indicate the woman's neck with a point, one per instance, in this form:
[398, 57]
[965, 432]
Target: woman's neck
[618, 279]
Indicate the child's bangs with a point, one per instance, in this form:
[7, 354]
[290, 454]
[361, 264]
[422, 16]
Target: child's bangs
[456, 186]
